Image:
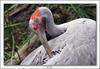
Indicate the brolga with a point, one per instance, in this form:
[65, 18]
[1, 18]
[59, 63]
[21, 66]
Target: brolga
[73, 43]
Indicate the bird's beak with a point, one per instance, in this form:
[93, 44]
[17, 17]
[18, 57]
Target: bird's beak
[42, 36]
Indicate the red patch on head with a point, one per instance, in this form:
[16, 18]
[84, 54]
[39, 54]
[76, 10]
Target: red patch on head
[36, 14]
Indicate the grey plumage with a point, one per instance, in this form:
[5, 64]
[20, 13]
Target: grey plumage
[77, 46]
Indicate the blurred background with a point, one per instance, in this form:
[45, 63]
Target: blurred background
[19, 40]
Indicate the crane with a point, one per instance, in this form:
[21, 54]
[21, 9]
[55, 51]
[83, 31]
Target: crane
[73, 43]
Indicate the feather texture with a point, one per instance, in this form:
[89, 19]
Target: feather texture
[77, 46]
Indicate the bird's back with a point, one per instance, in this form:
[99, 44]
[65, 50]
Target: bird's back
[77, 46]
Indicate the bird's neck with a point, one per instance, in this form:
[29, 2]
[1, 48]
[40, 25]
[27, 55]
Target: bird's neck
[53, 29]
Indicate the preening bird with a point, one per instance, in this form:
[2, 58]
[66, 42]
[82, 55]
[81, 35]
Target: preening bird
[74, 42]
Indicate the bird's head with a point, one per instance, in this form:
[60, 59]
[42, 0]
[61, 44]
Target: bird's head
[40, 18]
[36, 21]
[38, 24]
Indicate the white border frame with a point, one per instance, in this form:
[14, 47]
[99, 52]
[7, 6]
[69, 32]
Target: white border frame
[47, 2]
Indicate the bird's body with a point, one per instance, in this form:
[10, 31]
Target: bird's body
[74, 43]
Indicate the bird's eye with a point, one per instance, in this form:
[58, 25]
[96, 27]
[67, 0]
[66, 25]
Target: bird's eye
[43, 20]
[35, 27]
